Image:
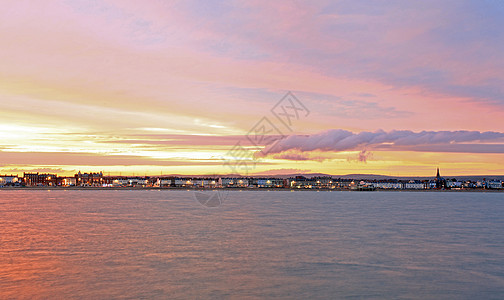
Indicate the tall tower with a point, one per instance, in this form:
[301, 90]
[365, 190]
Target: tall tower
[440, 181]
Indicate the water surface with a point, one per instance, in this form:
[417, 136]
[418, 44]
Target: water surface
[152, 244]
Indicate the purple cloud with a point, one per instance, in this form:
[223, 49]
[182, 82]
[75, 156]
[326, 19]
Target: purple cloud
[449, 47]
[439, 141]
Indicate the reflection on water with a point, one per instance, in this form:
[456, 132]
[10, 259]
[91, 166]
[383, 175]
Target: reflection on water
[164, 244]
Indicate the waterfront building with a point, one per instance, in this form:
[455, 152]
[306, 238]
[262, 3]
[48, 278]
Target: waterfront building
[205, 182]
[493, 184]
[67, 181]
[37, 179]
[126, 181]
[415, 185]
[234, 182]
[453, 184]
[138, 181]
[118, 181]
[89, 179]
[10, 180]
[386, 185]
[322, 182]
[165, 182]
[468, 184]
[269, 182]
[301, 182]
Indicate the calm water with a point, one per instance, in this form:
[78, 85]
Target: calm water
[257, 244]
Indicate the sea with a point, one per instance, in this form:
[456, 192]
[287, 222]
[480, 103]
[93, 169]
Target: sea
[166, 244]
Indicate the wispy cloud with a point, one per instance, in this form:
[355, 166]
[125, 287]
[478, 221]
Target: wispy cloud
[90, 159]
[436, 141]
[40, 170]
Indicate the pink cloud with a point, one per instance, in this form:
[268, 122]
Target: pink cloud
[92, 59]
[200, 68]
[342, 140]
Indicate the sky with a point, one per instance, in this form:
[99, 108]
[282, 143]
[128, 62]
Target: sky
[252, 87]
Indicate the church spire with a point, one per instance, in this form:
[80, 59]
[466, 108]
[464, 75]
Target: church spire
[438, 176]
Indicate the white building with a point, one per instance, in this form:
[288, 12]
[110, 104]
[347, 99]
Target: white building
[205, 183]
[69, 181]
[386, 185]
[233, 182]
[184, 182]
[9, 180]
[131, 181]
[453, 184]
[494, 184]
[270, 182]
[120, 182]
[163, 182]
[414, 185]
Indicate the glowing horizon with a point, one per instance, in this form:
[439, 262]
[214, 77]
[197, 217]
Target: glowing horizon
[127, 87]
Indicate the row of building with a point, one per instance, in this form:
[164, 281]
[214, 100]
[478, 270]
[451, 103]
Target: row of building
[298, 182]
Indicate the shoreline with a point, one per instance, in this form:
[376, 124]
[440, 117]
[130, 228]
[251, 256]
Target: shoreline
[59, 188]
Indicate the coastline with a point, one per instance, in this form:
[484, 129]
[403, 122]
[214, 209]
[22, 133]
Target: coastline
[77, 188]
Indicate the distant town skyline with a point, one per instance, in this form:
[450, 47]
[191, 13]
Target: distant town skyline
[293, 182]
[207, 87]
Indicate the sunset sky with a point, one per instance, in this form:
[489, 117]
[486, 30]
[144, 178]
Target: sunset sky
[184, 87]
